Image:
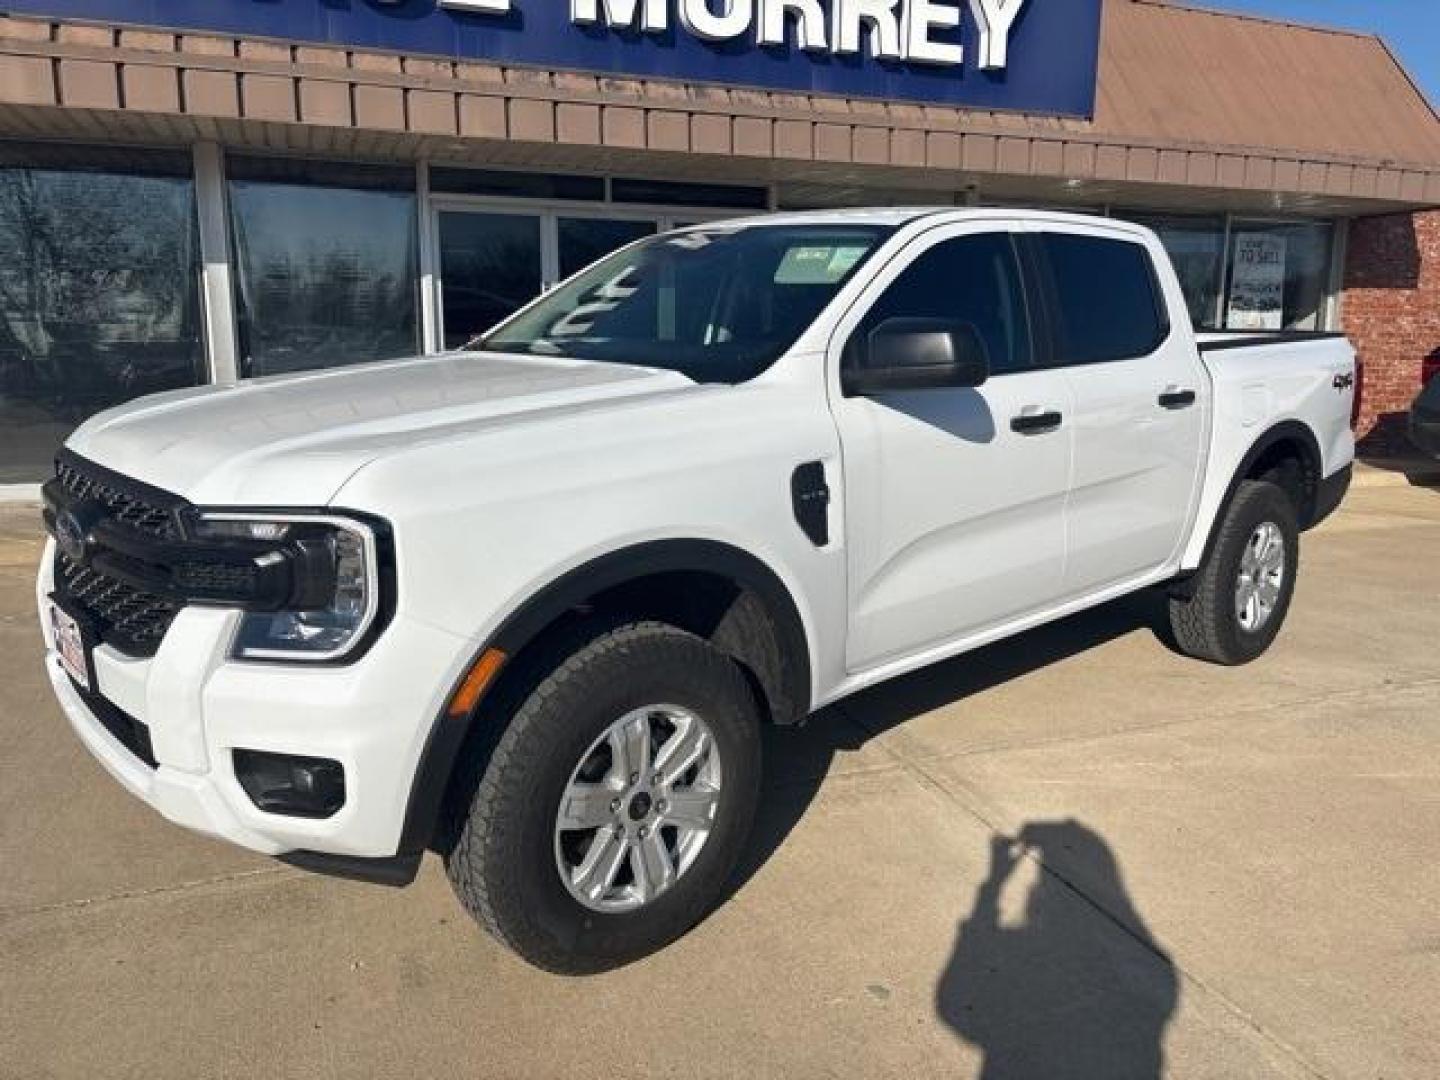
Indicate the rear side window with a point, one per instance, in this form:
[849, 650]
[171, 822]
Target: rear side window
[1106, 299]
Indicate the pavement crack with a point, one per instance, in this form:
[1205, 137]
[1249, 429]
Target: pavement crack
[85, 902]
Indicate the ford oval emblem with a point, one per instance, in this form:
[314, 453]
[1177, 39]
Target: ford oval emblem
[70, 536]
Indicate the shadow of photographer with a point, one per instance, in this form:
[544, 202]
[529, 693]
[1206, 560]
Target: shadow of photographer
[1063, 988]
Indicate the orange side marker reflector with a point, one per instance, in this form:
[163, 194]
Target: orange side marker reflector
[479, 678]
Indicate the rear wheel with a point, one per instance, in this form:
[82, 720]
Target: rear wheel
[1237, 603]
[616, 803]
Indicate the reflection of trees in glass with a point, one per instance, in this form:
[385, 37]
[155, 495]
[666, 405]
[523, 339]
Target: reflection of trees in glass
[326, 275]
[98, 292]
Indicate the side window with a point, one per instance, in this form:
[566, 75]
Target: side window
[974, 279]
[1107, 302]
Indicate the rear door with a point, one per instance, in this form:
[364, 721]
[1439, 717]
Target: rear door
[954, 497]
[1141, 402]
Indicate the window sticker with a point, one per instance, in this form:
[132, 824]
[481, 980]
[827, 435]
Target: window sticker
[818, 264]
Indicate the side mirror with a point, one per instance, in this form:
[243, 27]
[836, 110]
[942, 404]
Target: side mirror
[915, 354]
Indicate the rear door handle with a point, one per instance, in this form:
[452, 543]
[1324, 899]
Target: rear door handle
[1036, 423]
[1177, 399]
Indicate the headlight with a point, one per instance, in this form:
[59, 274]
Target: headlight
[334, 584]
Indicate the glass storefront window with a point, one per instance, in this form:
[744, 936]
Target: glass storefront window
[1197, 248]
[489, 266]
[99, 291]
[325, 261]
[1279, 275]
[584, 240]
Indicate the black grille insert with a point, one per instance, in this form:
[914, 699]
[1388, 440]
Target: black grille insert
[146, 509]
[131, 620]
[123, 615]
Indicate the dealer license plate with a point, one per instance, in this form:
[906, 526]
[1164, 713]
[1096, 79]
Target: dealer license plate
[70, 644]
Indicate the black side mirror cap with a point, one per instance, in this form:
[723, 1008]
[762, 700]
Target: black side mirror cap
[915, 354]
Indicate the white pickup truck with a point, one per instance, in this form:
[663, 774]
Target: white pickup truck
[528, 604]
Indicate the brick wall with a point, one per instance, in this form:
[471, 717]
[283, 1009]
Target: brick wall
[1392, 314]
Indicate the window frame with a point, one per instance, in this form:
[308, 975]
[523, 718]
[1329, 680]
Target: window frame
[1048, 289]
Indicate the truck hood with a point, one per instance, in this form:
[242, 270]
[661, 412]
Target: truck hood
[295, 439]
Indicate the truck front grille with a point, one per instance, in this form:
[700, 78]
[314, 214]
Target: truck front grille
[129, 502]
[120, 614]
[132, 621]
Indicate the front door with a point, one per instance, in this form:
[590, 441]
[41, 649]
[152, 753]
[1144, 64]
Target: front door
[954, 498]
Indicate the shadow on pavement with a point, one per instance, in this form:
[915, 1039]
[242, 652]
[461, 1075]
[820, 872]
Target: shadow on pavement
[1058, 994]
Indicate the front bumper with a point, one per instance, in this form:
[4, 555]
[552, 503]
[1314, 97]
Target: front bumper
[373, 716]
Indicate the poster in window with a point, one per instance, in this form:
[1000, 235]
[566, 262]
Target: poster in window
[1257, 283]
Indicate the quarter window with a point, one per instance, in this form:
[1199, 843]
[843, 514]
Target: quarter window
[1107, 305]
[973, 279]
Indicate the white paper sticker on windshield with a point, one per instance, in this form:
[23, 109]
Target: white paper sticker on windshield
[818, 264]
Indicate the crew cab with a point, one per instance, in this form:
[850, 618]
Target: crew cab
[528, 604]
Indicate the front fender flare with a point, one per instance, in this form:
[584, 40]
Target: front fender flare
[448, 733]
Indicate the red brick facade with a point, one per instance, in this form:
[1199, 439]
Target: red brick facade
[1392, 314]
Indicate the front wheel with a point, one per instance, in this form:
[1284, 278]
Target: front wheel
[616, 803]
[1239, 599]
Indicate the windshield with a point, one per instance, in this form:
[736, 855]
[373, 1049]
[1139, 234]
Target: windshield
[718, 304]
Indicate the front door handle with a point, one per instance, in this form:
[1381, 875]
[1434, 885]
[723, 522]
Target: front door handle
[1177, 399]
[1036, 423]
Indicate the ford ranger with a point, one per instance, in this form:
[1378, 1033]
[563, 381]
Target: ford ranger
[528, 604]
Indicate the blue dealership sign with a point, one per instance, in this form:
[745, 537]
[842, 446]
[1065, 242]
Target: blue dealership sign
[1037, 56]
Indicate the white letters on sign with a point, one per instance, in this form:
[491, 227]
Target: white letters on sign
[619, 13]
[486, 7]
[922, 16]
[878, 16]
[809, 23]
[700, 19]
[996, 18]
[886, 29]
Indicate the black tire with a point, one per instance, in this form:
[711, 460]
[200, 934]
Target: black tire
[1204, 619]
[502, 863]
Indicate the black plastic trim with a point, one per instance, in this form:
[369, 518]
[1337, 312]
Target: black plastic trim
[397, 871]
[1330, 493]
[1244, 339]
[137, 489]
[566, 593]
[1037, 423]
[130, 733]
[810, 498]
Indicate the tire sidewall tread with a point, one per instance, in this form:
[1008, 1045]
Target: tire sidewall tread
[502, 864]
[1205, 624]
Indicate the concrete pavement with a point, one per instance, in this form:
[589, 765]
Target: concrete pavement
[1222, 874]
